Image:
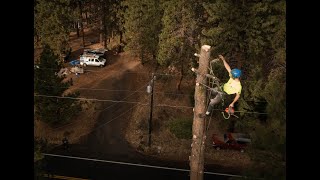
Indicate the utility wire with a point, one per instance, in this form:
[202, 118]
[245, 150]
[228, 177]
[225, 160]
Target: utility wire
[86, 99]
[106, 122]
[103, 123]
[173, 106]
[122, 100]
[134, 164]
[111, 105]
[125, 97]
[114, 71]
[160, 105]
[114, 118]
[164, 74]
[119, 90]
[163, 105]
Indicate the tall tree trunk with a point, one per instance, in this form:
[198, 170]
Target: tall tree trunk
[86, 17]
[157, 65]
[121, 34]
[83, 41]
[77, 27]
[101, 27]
[105, 37]
[37, 37]
[141, 56]
[181, 77]
[81, 23]
[101, 32]
[182, 63]
[105, 33]
[198, 136]
[91, 12]
[120, 48]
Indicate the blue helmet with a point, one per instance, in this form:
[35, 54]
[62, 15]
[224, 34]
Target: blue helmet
[236, 73]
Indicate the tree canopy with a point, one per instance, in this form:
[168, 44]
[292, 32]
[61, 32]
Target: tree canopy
[251, 35]
[54, 111]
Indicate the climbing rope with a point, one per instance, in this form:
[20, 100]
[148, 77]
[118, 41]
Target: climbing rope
[230, 112]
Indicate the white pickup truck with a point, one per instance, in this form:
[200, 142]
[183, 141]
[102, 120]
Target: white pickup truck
[92, 60]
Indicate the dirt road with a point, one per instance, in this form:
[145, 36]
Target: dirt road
[118, 81]
[99, 130]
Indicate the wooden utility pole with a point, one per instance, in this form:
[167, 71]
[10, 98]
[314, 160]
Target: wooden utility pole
[150, 90]
[198, 137]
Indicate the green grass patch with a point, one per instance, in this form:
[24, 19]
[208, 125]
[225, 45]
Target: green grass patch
[181, 128]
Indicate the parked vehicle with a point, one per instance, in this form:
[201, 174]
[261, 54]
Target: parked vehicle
[92, 60]
[77, 70]
[74, 62]
[236, 141]
[99, 52]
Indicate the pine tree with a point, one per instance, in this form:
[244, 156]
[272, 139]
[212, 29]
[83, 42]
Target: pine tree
[113, 19]
[53, 111]
[252, 34]
[120, 9]
[38, 160]
[53, 23]
[226, 29]
[142, 27]
[178, 38]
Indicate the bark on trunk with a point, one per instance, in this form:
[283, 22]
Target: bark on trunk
[198, 136]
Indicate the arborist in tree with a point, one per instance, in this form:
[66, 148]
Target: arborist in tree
[233, 86]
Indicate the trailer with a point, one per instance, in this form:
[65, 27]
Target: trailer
[76, 67]
[77, 70]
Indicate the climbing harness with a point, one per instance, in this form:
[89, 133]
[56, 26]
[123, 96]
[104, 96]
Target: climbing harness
[213, 80]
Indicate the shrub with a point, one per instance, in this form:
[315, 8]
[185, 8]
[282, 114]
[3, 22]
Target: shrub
[181, 128]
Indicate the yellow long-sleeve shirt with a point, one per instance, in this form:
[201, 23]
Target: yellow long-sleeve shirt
[232, 86]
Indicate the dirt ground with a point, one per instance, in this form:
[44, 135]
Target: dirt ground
[86, 120]
[164, 144]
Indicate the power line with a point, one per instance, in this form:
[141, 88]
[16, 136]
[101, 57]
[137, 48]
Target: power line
[160, 105]
[113, 118]
[209, 89]
[173, 106]
[163, 105]
[100, 89]
[115, 104]
[164, 74]
[103, 123]
[125, 97]
[106, 122]
[61, 177]
[134, 164]
[86, 99]
[115, 71]
[250, 112]
[120, 90]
